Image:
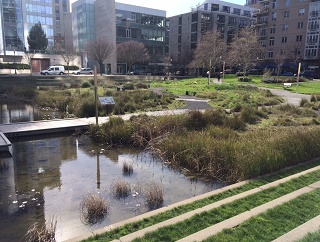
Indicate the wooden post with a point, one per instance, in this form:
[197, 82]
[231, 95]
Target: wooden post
[299, 67]
[96, 93]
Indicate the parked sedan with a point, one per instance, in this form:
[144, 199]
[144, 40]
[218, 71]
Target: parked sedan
[84, 71]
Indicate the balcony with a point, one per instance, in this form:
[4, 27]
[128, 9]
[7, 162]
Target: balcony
[260, 23]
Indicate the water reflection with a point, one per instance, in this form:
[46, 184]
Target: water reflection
[13, 111]
[50, 177]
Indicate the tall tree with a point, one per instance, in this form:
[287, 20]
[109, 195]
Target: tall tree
[37, 38]
[132, 52]
[245, 49]
[99, 50]
[68, 56]
[209, 52]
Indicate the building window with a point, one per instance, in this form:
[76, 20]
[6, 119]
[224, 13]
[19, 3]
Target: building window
[194, 37]
[285, 27]
[299, 38]
[286, 14]
[133, 17]
[284, 39]
[194, 27]
[302, 1]
[262, 43]
[300, 25]
[272, 29]
[194, 17]
[287, 3]
[270, 54]
[128, 33]
[271, 41]
[274, 16]
[282, 52]
[301, 11]
[180, 20]
[297, 52]
[274, 3]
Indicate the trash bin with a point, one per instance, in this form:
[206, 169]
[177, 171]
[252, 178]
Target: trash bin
[187, 93]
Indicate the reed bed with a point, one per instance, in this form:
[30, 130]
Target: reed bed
[42, 232]
[93, 209]
[127, 168]
[154, 195]
[221, 146]
[120, 189]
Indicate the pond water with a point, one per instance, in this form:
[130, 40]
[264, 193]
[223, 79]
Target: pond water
[13, 111]
[51, 176]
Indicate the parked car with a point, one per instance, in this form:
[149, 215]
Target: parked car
[53, 70]
[137, 72]
[84, 71]
[310, 74]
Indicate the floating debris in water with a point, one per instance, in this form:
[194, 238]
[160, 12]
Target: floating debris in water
[41, 170]
[15, 202]
[33, 190]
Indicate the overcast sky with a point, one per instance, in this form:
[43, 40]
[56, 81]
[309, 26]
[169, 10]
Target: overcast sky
[172, 7]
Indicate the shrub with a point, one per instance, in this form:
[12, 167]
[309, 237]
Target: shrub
[93, 209]
[154, 195]
[244, 79]
[86, 85]
[120, 189]
[127, 169]
[304, 102]
[249, 115]
[128, 86]
[42, 232]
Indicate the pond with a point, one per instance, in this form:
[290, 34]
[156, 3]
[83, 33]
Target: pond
[13, 111]
[49, 177]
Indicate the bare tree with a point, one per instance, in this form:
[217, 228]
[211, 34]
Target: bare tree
[211, 49]
[132, 52]
[68, 56]
[280, 58]
[245, 49]
[27, 56]
[99, 50]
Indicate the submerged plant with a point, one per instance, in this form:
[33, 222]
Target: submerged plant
[127, 169]
[154, 195]
[93, 209]
[120, 189]
[42, 232]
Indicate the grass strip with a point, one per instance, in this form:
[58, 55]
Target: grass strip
[133, 227]
[274, 222]
[206, 219]
[311, 237]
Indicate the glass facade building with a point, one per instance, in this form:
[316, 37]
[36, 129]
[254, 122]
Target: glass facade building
[18, 16]
[144, 25]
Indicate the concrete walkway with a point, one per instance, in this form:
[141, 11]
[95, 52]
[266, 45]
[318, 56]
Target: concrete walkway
[229, 223]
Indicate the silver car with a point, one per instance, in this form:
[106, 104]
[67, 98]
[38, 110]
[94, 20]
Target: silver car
[84, 71]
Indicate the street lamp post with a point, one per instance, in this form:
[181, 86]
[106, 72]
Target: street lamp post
[14, 60]
[298, 76]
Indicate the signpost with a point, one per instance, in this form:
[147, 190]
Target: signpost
[107, 101]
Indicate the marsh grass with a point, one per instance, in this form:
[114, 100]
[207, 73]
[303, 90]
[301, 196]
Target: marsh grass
[127, 168]
[120, 189]
[93, 209]
[154, 195]
[39, 232]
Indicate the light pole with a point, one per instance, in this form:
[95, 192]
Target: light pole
[223, 68]
[298, 76]
[14, 61]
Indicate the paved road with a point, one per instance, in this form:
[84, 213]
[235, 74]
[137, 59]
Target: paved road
[291, 98]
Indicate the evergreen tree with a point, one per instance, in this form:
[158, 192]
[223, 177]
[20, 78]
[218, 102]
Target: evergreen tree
[37, 38]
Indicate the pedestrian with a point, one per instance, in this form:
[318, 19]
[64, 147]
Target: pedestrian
[218, 76]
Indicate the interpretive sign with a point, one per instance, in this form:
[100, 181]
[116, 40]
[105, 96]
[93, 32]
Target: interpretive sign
[107, 100]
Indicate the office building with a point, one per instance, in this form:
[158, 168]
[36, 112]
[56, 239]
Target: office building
[17, 18]
[185, 30]
[289, 30]
[118, 22]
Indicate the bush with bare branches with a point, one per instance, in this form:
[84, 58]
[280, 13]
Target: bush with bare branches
[93, 209]
[154, 195]
[38, 232]
[127, 168]
[120, 189]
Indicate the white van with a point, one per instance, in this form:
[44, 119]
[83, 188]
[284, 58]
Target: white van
[53, 70]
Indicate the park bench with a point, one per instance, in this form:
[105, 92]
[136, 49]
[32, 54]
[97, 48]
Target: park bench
[287, 85]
